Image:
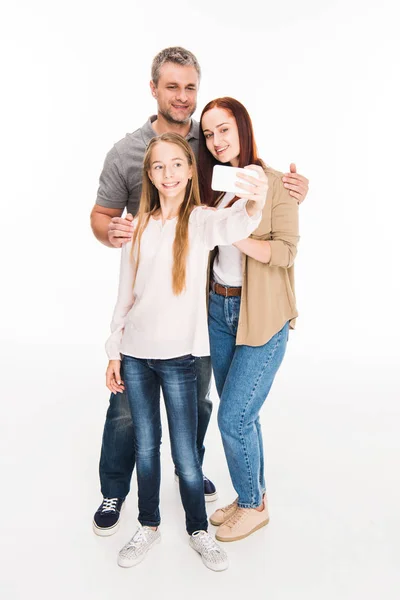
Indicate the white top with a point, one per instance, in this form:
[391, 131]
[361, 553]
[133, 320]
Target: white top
[149, 321]
[227, 269]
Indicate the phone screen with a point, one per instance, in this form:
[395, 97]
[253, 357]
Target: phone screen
[224, 178]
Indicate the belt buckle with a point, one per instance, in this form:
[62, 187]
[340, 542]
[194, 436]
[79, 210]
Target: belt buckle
[226, 292]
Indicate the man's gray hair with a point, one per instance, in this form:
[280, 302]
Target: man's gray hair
[176, 55]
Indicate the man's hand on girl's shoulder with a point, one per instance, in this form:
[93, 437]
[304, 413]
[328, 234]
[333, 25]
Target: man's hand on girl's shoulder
[120, 230]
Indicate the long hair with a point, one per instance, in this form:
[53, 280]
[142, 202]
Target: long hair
[248, 149]
[150, 203]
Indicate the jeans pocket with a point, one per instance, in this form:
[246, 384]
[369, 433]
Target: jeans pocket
[188, 357]
[234, 311]
[185, 365]
[187, 360]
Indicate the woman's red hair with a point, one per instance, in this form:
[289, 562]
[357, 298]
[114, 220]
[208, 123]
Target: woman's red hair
[248, 149]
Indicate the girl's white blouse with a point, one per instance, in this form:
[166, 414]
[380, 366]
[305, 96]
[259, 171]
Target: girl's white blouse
[149, 321]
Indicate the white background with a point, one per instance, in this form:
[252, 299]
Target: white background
[320, 81]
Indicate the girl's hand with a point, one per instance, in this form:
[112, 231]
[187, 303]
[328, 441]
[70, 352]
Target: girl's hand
[113, 377]
[257, 187]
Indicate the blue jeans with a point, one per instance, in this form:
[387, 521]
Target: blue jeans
[243, 377]
[117, 459]
[144, 379]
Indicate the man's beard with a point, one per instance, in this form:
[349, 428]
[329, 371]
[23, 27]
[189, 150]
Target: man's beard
[170, 119]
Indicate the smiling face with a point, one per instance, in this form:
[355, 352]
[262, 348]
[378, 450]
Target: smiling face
[222, 136]
[176, 92]
[169, 170]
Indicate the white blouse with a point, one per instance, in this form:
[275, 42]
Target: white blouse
[149, 321]
[227, 268]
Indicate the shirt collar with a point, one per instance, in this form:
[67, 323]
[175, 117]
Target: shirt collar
[148, 131]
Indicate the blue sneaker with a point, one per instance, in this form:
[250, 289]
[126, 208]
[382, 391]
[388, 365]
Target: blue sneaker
[210, 491]
[107, 516]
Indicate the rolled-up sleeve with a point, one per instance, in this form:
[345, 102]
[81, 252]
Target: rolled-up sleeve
[124, 304]
[284, 228]
[112, 192]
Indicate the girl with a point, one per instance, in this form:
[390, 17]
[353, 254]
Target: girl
[251, 308]
[159, 327]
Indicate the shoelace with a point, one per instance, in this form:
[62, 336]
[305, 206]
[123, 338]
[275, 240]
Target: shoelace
[208, 542]
[236, 517]
[231, 505]
[109, 505]
[137, 539]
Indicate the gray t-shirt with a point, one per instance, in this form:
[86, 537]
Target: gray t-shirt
[121, 178]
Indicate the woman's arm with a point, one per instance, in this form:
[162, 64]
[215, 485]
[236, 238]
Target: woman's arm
[258, 249]
[123, 305]
[281, 248]
[284, 229]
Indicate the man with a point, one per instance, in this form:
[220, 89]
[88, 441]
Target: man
[175, 78]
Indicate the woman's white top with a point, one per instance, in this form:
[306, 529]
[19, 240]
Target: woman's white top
[149, 321]
[227, 269]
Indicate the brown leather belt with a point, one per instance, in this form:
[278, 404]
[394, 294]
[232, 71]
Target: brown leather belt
[224, 290]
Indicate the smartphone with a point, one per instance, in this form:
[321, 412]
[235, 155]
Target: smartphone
[224, 178]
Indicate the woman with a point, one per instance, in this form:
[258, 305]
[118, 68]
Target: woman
[159, 327]
[251, 308]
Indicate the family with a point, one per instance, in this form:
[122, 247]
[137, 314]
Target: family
[206, 285]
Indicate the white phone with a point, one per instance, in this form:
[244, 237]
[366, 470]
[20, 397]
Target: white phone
[224, 178]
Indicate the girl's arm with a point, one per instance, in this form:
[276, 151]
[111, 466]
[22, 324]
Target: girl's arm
[124, 303]
[223, 227]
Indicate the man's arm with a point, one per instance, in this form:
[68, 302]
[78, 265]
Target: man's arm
[112, 198]
[296, 184]
[108, 226]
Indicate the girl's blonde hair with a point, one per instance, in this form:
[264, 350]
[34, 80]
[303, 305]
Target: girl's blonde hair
[150, 203]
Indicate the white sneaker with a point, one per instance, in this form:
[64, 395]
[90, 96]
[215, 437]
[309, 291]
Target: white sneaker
[136, 549]
[211, 554]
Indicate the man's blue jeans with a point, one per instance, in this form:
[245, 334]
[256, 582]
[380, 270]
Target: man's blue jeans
[243, 377]
[144, 379]
[117, 459]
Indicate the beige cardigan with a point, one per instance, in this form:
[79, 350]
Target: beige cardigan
[268, 297]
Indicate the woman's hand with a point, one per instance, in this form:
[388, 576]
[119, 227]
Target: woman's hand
[257, 188]
[113, 377]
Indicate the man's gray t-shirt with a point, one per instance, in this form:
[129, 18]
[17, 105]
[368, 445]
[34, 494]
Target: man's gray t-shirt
[121, 178]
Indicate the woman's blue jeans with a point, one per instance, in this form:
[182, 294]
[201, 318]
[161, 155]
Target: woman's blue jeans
[243, 377]
[144, 378]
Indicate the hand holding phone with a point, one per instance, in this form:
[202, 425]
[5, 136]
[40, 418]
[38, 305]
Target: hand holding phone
[224, 178]
[250, 183]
